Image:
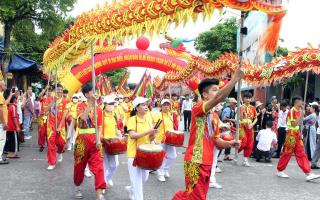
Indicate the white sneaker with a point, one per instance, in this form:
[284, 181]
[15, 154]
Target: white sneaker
[28, 137]
[311, 177]
[218, 170]
[246, 163]
[59, 157]
[101, 198]
[282, 175]
[130, 192]
[88, 174]
[110, 183]
[161, 178]
[69, 148]
[78, 194]
[215, 185]
[51, 167]
[167, 174]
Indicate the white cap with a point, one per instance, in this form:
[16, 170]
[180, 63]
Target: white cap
[165, 101]
[314, 103]
[75, 96]
[120, 96]
[109, 99]
[139, 100]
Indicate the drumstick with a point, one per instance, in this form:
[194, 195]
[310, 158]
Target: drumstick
[158, 124]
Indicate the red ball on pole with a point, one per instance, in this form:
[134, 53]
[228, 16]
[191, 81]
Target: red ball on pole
[143, 43]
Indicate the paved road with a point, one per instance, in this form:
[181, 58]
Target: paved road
[28, 179]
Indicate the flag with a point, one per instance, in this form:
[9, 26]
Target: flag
[149, 87]
[140, 88]
[123, 87]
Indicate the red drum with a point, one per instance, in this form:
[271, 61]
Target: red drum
[174, 138]
[115, 146]
[149, 156]
[226, 134]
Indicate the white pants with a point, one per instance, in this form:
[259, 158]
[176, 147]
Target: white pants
[171, 155]
[138, 177]
[111, 163]
[215, 162]
[3, 137]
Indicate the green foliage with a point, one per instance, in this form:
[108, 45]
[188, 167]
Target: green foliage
[116, 75]
[219, 39]
[21, 19]
[132, 86]
[281, 51]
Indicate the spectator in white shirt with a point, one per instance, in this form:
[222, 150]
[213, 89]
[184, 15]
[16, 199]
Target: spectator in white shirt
[282, 127]
[186, 110]
[266, 138]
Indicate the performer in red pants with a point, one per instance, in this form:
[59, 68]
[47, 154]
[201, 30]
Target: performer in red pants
[56, 138]
[204, 136]
[43, 117]
[248, 118]
[86, 150]
[293, 143]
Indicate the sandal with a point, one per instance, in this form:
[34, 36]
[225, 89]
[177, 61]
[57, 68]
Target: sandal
[228, 159]
[13, 157]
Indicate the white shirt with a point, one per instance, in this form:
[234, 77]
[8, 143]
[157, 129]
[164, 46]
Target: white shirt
[186, 105]
[265, 138]
[282, 118]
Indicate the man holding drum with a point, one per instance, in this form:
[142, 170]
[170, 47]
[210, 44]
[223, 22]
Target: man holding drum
[203, 139]
[141, 131]
[110, 131]
[86, 149]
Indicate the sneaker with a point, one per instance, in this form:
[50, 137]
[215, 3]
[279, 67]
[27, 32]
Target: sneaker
[282, 175]
[315, 167]
[69, 148]
[78, 194]
[218, 170]
[51, 167]
[161, 178]
[3, 162]
[41, 149]
[101, 198]
[88, 174]
[311, 177]
[110, 183]
[246, 164]
[28, 137]
[130, 192]
[167, 174]
[60, 157]
[215, 185]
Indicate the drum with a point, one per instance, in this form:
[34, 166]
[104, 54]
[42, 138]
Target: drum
[115, 146]
[174, 138]
[149, 156]
[226, 134]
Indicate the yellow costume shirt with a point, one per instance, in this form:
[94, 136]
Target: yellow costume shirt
[110, 125]
[138, 125]
[166, 125]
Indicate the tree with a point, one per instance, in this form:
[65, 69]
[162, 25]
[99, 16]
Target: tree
[116, 75]
[219, 39]
[37, 12]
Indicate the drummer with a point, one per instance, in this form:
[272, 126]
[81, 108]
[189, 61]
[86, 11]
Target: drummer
[127, 113]
[166, 125]
[110, 130]
[141, 131]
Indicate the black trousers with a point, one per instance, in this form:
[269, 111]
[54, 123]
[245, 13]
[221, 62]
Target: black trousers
[263, 154]
[187, 119]
[281, 138]
[11, 142]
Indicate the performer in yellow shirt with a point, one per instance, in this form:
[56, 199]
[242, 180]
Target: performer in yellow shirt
[110, 130]
[127, 114]
[71, 120]
[141, 131]
[167, 124]
[120, 110]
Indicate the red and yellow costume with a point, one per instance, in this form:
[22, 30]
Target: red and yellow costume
[199, 154]
[56, 141]
[248, 114]
[42, 121]
[85, 150]
[175, 114]
[294, 144]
